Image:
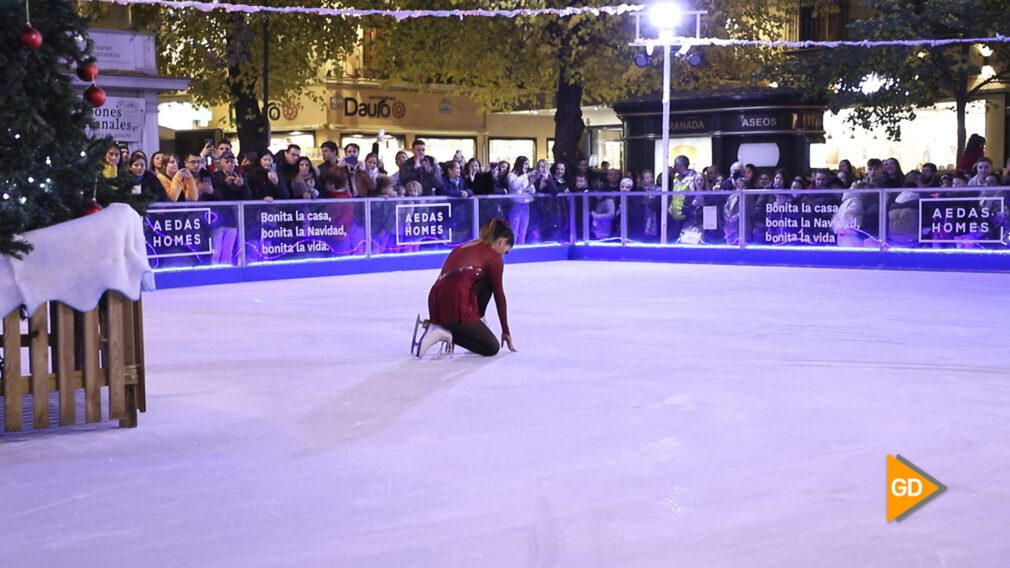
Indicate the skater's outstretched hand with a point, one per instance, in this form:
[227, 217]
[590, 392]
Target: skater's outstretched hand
[507, 340]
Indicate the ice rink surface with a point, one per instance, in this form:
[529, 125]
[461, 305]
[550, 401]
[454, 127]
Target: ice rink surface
[655, 415]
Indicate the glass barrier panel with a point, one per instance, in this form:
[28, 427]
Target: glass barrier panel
[401, 225]
[519, 216]
[493, 206]
[604, 221]
[460, 221]
[550, 220]
[303, 229]
[385, 235]
[640, 211]
[196, 234]
[699, 217]
[948, 218]
[847, 219]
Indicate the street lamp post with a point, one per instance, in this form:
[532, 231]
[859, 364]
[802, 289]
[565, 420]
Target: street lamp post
[666, 18]
[666, 143]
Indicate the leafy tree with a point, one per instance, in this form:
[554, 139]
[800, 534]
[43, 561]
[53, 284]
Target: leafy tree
[908, 77]
[50, 167]
[567, 61]
[223, 54]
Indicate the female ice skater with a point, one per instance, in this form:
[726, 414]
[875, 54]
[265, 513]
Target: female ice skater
[459, 298]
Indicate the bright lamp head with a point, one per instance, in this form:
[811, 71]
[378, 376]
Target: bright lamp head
[665, 16]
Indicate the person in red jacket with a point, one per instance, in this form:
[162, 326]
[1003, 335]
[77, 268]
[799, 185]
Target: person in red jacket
[457, 302]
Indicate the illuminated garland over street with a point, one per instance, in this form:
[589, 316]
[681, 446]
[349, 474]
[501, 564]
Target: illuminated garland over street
[398, 14]
[705, 41]
[560, 12]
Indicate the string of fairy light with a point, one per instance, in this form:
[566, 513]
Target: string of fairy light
[613, 10]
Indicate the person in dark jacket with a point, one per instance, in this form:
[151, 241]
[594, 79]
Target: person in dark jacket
[228, 185]
[474, 180]
[286, 162]
[264, 182]
[452, 183]
[140, 180]
[453, 187]
[555, 210]
[422, 169]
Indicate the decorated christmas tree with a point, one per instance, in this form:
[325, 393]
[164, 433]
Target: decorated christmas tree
[50, 167]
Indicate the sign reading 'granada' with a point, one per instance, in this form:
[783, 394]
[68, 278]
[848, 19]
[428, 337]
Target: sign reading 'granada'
[689, 124]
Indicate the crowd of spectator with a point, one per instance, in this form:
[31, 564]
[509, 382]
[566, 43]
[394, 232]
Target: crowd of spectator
[774, 207]
[703, 208]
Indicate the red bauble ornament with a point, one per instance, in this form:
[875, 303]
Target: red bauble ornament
[88, 70]
[30, 38]
[95, 95]
[92, 207]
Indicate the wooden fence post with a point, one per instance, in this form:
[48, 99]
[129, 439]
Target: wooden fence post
[12, 371]
[38, 350]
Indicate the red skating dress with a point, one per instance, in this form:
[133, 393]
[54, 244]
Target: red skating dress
[453, 300]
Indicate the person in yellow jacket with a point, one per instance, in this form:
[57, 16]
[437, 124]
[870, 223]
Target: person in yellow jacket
[679, 181]
[110, 162]
[178, 182]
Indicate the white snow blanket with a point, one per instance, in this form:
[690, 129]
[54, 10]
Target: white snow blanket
[77, 261]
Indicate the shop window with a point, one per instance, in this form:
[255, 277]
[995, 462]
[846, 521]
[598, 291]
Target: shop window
[925, 139]
[508, 149]
[443, 149]
[387, 148]
[369, 52]
[818, 155]
[810, 24]
[606, 146]
[281, 140]
[698, 150]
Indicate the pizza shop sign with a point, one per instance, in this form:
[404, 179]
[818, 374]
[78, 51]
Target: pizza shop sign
[374, 106]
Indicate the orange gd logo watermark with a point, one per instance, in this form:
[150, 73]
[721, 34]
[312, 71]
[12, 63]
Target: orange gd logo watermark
[908, 488]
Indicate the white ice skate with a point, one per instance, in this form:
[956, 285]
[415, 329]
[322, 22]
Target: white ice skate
[418, 325]
[432, 334]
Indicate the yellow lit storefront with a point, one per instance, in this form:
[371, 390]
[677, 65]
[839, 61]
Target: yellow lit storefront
[931, 137]
[447, 123]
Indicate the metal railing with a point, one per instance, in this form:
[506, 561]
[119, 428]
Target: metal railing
[209, 233]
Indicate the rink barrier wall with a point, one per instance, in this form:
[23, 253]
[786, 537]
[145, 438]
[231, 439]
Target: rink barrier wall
[203, 243]
[73, 355]
[813, 257]
[338, 267]
[754, 256]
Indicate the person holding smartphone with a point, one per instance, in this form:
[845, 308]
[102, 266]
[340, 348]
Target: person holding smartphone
[349, 166]
[520, 184]
[304, 186]
[366, 176]
[229, 185]
[264, 183]
[178, 183]
[209, 155]
[422, 169]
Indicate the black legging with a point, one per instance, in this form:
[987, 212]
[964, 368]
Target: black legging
[476, 337]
